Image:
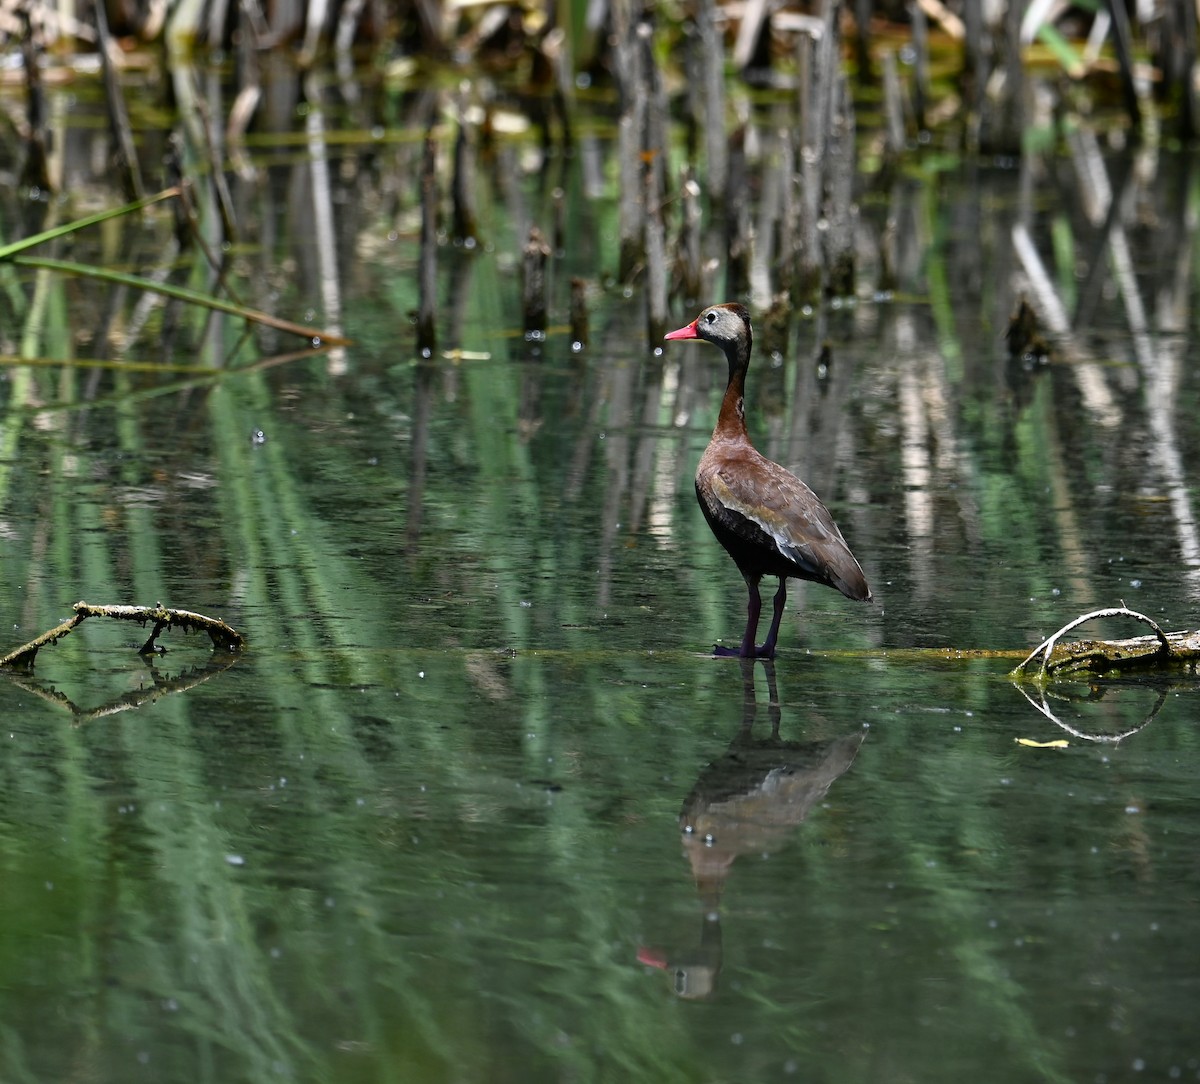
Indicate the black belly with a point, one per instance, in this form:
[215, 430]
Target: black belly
[753, 550]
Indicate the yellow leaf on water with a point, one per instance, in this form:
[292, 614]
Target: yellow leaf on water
[1058, 743]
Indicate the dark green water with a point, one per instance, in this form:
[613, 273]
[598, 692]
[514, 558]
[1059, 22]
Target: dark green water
[428, 828]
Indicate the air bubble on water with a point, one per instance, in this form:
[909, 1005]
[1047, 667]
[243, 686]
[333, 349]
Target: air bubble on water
[235, 860]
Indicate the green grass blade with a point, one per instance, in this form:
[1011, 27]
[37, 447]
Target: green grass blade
[7, 252]
[181, 293]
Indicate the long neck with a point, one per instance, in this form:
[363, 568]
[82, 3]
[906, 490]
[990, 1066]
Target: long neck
[731, 422]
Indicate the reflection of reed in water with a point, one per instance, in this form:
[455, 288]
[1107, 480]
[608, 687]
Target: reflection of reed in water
[747, 801]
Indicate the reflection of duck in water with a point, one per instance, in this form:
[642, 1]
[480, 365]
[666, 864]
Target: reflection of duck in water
[747, 801]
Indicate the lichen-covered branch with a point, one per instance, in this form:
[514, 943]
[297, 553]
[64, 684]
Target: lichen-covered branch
[224, 637]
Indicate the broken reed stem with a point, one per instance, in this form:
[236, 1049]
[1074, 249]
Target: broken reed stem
[464, 225]
[558, 228]
[223, 636]
[656, 259]
[688, 277]
[841, 212]
[125, 156]
[35, 172]
[427, 258]
[631, 227]
[533, 283]
[920, 45]
[893, 107]
[737, 217]
[712, 81]
[579, 314]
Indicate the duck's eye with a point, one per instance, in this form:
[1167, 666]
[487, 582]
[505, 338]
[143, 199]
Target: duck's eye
[711, 317]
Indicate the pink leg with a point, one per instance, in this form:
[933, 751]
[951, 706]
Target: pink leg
[767, 651]
[753, 610]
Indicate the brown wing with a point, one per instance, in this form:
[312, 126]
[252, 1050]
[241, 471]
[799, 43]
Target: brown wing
[764, 504]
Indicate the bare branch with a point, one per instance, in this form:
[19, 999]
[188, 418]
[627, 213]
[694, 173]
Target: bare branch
[224, 637]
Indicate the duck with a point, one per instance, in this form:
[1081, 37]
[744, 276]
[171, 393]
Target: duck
[768, 520]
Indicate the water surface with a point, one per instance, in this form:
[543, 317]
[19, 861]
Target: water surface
[431, 825]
